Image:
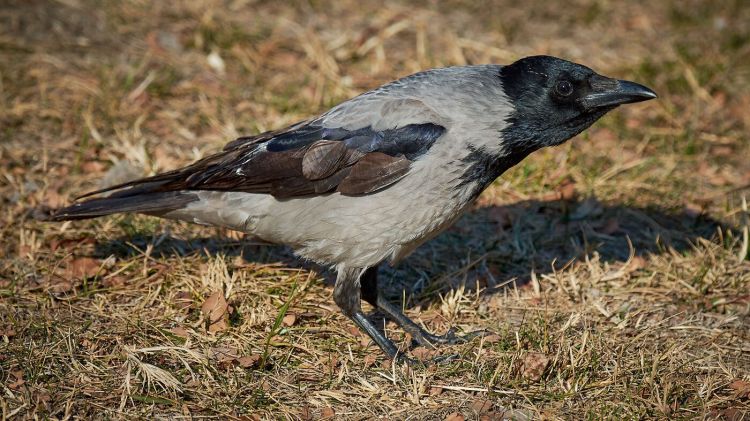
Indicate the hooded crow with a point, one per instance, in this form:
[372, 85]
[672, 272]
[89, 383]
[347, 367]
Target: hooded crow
[378, 175]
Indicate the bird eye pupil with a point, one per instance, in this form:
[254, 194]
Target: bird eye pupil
[564, 88]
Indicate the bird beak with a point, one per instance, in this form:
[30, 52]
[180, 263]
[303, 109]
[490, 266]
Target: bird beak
[608, 92]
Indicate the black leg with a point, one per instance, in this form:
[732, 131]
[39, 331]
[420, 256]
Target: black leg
[369, 285]
[385, 344]
[346, 293]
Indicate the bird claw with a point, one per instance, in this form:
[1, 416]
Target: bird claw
[439, 359]
[449, 338]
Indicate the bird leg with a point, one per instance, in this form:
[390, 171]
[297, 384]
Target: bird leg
[369, 286]
[346, 294]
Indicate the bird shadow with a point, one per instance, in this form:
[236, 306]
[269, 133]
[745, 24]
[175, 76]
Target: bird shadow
[491, 247]
[498, 247]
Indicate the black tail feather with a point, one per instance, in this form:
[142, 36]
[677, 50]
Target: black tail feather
[146, 203]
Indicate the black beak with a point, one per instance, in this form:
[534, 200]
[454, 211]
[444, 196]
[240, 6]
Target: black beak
[608, 92]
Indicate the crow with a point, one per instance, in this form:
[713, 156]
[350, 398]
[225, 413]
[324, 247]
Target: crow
[378, 175]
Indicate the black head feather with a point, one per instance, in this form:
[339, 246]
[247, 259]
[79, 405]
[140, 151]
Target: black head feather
[546, 94]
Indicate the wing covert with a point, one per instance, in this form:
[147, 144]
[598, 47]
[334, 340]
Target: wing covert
[308, 158]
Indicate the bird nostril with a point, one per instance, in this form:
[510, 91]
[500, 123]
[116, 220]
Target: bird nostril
[600, 83]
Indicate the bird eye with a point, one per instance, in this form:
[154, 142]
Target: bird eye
[564, 88]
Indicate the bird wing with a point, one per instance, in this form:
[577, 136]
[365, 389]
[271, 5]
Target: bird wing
[369, 151]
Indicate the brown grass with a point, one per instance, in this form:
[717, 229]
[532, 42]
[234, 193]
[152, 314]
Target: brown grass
[611, 270]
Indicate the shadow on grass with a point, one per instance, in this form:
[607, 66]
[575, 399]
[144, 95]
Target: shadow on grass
[495, 246]
[498, 246]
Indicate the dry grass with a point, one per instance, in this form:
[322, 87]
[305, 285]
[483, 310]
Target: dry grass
[612, 270]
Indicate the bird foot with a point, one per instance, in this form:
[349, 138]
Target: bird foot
[414, 362]
[421, 336]
[425, 338]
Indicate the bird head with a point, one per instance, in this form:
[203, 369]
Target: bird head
[555, 99]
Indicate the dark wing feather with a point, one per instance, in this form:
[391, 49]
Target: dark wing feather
[374, 171]
[322, 159]
[249, 141]
[302, 160]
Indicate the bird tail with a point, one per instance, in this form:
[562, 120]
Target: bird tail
[150, 204]
[155, 195]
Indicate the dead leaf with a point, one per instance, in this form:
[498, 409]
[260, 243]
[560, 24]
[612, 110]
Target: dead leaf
[741, 388]
[114, 281]
[328, 412]
[305, 413]
[354, 331]
[249, 361]
[183, 300]
[179, 331]
[88, 344]
[423, 353]
[17, 380]
[82, 268]
[218, 326]
[729, 414]
[61, 286]
[224, 355]
[186, 411]
[533, 366]
[215, 306]
[43, 397]
[436, 390]
[289, 319]
[455, 416]
[369, 360]
[481, 405]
